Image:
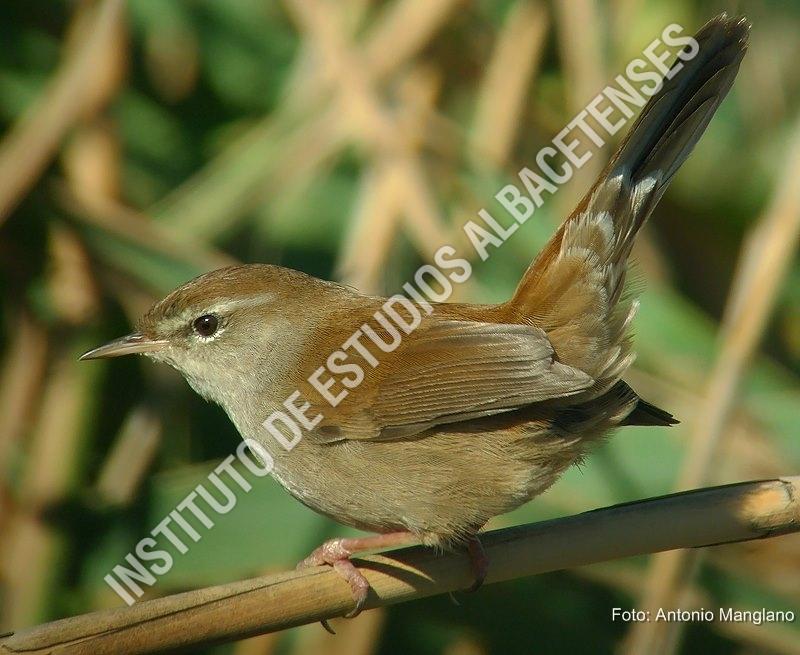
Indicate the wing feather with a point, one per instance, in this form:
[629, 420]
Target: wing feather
[453, 370]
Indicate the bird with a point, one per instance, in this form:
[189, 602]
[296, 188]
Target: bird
[479, 408]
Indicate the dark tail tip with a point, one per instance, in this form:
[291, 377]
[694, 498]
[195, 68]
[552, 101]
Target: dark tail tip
[675, 118]
[648, 414]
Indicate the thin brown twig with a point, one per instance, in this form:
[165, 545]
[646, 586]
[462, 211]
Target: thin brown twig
[705, 517]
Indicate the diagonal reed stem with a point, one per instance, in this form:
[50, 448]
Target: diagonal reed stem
[705, 517]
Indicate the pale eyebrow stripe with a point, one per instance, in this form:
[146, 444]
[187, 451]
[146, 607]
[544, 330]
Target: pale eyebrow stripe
[221, 307]
[241, 303]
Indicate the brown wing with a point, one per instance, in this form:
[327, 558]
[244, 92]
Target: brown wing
[452, 370]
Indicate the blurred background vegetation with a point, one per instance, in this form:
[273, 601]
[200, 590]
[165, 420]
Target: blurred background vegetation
[146, 143]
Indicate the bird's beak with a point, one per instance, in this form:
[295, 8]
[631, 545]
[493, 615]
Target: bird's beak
[127, 345]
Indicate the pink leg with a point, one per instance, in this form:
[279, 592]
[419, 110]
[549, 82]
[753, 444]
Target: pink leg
[337, 553]
[479, 562]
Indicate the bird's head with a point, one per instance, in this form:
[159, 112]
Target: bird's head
[224, 330]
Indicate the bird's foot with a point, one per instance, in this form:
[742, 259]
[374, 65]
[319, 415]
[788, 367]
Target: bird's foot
[337, 552]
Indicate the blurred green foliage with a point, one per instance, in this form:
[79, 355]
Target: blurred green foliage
[202, 126]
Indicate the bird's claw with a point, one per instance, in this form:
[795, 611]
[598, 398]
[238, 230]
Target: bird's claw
[479, 562]
[359, 586]
[333, 553]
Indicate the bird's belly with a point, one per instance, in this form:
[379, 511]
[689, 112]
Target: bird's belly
[442, 486]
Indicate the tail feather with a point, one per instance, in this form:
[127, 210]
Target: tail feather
[645, 413]
[575, 288]
[674, 120]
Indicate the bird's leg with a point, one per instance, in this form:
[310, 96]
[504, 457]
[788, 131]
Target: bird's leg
[479, 561]
[337, 553]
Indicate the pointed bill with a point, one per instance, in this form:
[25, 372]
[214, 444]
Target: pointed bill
[127, 345]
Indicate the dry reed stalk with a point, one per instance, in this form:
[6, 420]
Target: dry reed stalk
[130, 457]
[510, 73]
[33, 547]
[372, 229]
[370, 123]
[72, 288]
[408, 25]
[91, 160]
[775, 638]
[583, 66]
[35, 137]
[704, 517]
[763, 264]
[21, 378]
[130, 225]
[215, 197]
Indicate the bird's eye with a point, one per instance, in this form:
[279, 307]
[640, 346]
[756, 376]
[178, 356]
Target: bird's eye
[206, 325]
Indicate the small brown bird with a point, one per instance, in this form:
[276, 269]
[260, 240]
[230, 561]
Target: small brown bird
[480, 407]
